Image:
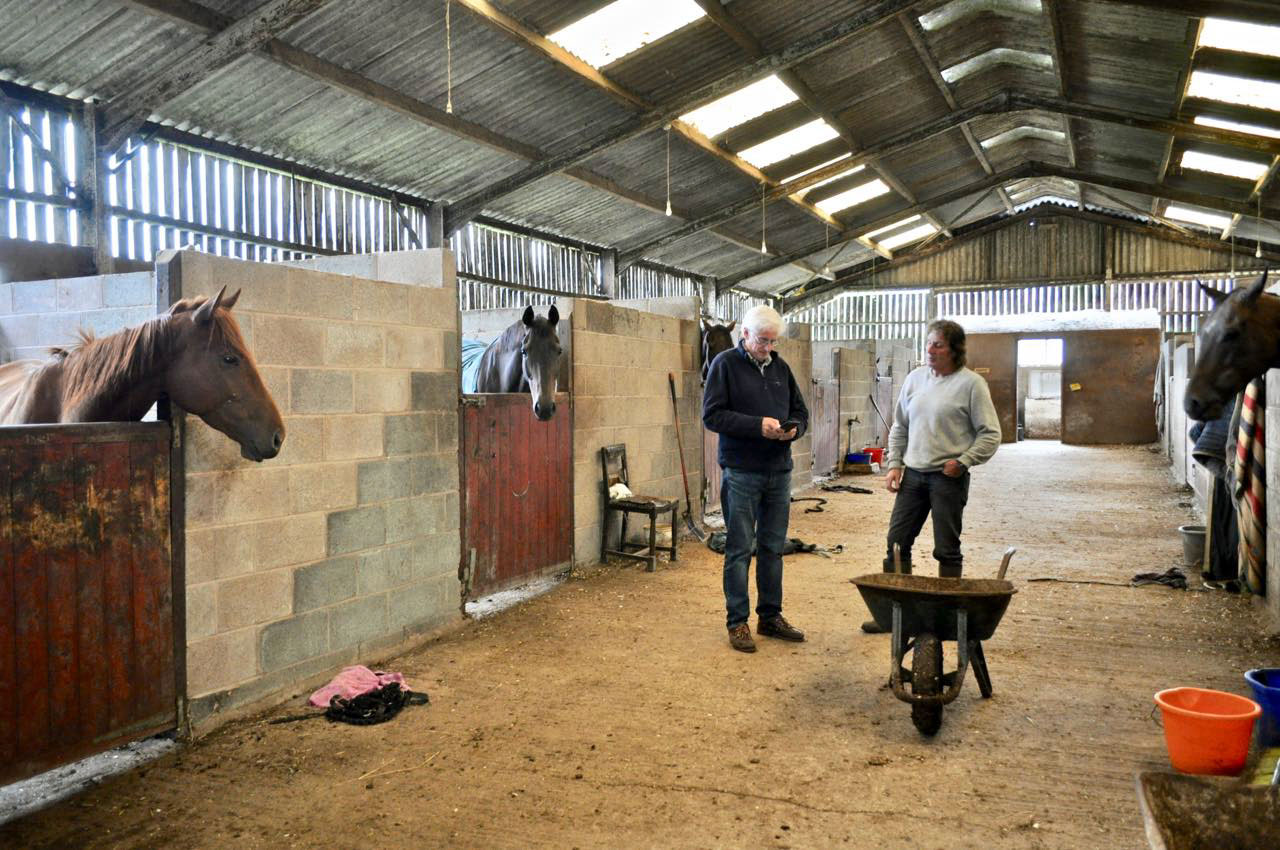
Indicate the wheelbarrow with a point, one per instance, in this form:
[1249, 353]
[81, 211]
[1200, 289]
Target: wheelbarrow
[920, 612]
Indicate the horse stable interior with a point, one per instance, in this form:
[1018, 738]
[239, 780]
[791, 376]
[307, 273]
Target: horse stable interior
[385, 181]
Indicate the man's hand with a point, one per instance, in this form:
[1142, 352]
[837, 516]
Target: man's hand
[954, 469]
[770, 428]
[893, 479]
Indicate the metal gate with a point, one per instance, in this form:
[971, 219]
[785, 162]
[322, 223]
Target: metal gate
[518, 482]
[826, 426]
[87, 628]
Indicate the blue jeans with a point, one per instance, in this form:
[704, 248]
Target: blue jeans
[757, 506]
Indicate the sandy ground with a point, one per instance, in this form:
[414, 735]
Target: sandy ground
[611, 712]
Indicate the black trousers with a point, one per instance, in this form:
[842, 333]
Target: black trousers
[919, 494]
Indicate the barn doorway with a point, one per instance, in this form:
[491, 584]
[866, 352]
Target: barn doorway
[1040, 389]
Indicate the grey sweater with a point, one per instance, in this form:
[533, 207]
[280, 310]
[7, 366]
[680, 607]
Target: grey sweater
[938, 419]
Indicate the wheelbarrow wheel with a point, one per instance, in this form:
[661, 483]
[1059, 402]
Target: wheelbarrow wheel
[926, 680]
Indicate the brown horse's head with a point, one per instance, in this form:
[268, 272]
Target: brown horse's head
[715, 339]
[1236, 344]
[213, 376]
[540, 359]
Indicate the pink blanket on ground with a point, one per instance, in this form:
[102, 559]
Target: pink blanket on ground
[354, 681]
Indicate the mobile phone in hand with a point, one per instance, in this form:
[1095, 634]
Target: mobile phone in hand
[790, 425]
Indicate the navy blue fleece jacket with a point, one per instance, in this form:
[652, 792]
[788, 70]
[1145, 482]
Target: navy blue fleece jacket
[738, 396]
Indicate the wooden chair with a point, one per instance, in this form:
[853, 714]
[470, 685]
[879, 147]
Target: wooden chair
[613, 467]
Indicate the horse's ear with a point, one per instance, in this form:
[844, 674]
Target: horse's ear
[204, 315]
[553, 316]
[729, 327]
[706, 326]
[1258, 288]
[230, 300]
[528, 316]
[1216, 296]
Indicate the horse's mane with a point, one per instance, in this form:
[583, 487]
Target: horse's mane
[111, 365]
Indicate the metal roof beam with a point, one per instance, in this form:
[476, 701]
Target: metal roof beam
[911, 26]
[128, 111]
[337, 77]
[779, 60]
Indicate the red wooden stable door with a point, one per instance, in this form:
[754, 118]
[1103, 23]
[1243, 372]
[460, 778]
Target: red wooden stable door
[86, 591]
[518, 483]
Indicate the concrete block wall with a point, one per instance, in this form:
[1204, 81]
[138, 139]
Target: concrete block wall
[857, 372]
[1179, 443]
[346, 546]
[621, 359]
[36, 315]
[797, 351]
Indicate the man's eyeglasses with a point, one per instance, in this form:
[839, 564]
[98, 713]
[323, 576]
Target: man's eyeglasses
[764, 340]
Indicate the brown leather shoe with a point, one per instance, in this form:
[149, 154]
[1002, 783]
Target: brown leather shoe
[740, 638]
[778, 627]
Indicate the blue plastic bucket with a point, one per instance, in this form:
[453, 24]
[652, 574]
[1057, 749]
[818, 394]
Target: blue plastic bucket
[1266, 692]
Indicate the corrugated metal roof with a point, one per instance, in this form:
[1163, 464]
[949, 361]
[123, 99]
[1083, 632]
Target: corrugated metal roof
[1128, 57]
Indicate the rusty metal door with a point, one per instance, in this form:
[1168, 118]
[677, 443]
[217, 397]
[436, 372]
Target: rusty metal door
[826, 426]
[518, 483]
[86, 591]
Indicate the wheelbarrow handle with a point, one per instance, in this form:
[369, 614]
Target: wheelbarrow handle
[1004, 563]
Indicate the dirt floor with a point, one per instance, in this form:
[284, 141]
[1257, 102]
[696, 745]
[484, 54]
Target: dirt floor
[611, 712]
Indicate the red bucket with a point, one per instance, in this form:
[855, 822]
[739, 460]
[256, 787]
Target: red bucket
[877, 454]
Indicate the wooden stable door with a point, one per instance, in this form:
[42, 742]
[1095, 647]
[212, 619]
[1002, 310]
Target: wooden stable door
[86, 591]
[518, 487]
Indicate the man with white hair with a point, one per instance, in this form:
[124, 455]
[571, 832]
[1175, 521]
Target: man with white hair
[753, 402]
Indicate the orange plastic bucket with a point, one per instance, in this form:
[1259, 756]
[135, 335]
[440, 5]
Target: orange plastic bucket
[1207, 731]
[877, 454]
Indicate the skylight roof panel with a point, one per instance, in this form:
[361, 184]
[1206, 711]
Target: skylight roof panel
[624, 27]
[1229, 89]
[906, 237]
[852, 197]
[997, 56]
[1242, 168]
[800, 174]
[1239, 128]
[846, 173]
[1240, 37]
[740, 106]
[900, 223]
[1205, 219]
[958, 10]
[1027, 131]
[789, 143]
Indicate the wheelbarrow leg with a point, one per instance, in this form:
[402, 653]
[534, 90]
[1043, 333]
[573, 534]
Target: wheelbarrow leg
[980, 670]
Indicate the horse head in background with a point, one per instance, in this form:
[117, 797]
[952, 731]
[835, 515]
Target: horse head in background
[1238, 341]
[193, 355]
[526, 358]
[715, 339]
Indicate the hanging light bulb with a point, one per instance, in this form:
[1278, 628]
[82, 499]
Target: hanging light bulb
[668, 128]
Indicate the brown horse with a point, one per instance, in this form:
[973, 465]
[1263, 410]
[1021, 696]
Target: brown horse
[715, 339]
[193, 355]
[1238, 341]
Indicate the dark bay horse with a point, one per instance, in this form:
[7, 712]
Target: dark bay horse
[715, 339]
[193, 355]
[526, 358]
[1238, 341]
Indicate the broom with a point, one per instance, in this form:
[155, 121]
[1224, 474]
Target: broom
[688, 503]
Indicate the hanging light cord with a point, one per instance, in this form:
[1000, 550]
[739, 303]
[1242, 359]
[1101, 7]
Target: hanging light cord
[448, 59]
[668, 169]
[763, 247]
